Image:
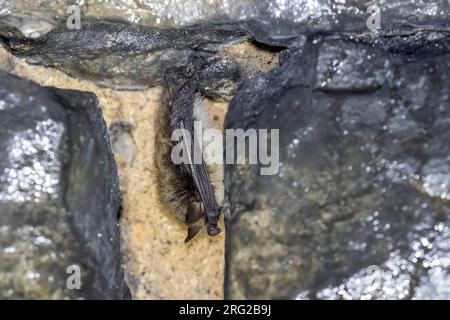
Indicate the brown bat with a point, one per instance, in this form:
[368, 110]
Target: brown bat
[192, 191]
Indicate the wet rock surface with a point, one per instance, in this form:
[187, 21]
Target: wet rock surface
[360, 206]
[273, 19]
[127, 56]
[117, 54]
[55, 156]
[270, 21]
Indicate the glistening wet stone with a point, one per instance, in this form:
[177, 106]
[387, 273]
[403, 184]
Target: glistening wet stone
[126, 56]
[278, 21]
[272, 20]
[360, 206]
[59, 195]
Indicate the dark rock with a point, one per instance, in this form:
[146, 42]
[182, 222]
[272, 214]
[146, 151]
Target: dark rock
[360, 206]
[59, 195]
[270, 21]
[128, 56]
[280, 24]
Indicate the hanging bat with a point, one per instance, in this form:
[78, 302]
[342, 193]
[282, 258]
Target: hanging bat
[192, 191]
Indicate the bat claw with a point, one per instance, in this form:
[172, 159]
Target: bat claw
[213, 230]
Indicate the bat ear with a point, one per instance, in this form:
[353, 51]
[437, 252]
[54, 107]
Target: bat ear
[192, 232]
[195, 212]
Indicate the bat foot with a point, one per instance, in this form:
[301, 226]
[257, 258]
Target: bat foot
[213, 230]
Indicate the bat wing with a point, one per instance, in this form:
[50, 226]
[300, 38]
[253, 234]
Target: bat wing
[201, 180]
